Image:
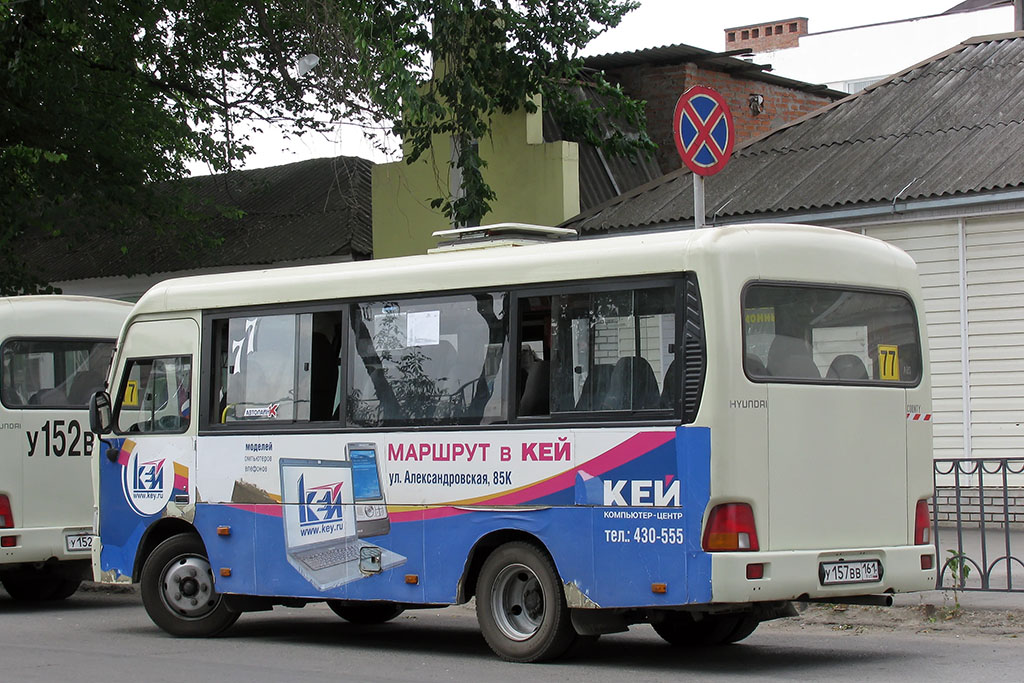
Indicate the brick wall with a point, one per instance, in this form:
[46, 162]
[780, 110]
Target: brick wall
[770, 35]
[970, 506]
[660, 86]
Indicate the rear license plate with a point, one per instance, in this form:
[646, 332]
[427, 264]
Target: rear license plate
[863, 571]
[78, 542]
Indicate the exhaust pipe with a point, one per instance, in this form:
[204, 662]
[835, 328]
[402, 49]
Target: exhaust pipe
[885, 600]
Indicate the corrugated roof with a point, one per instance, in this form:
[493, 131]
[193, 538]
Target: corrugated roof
[304, 210]
[603, 175]
[972, 5]
[951, 125]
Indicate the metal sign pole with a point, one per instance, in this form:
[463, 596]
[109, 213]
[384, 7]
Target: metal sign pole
[704, 133]
[698, 201]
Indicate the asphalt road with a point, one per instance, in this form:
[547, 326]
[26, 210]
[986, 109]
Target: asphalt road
[108, 638]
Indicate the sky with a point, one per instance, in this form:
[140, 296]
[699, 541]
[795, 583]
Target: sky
[654, 24]
[701, 24]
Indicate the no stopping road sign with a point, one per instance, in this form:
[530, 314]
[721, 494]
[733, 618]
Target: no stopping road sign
[703, 130]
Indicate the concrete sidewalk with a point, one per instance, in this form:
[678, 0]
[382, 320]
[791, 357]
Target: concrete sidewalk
[969, 600]
[1000, 557]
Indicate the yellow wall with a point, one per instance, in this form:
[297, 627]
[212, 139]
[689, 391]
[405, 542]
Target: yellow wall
[535, 182]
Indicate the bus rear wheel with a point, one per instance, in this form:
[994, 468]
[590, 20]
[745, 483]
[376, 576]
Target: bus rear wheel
[38, 585]
[682, 629]
[521, 606]
[365, 614]
[178, 591]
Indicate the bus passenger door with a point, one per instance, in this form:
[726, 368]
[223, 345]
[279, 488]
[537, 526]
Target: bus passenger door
[147, 468]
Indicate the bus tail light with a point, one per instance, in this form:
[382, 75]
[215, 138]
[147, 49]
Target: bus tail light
[7, 522]
[922, 524]
[730, 527]
[6, 516]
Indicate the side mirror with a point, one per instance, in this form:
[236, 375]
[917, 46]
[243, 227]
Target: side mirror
[100, 419]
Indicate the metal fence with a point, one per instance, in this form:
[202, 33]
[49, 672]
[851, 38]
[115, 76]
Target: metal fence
[978, 522]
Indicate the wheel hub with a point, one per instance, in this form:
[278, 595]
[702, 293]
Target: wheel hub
[188, 587]
[517, 602]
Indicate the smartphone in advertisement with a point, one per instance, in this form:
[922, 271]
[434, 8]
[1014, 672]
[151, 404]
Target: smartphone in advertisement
[368, 490]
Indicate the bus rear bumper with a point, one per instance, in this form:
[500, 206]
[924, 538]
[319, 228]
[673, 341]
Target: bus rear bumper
[44, 544]
[801, 574]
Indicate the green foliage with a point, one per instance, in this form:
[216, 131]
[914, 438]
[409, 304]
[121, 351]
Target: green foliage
[447, 67]
[959, 570]
[105, 102]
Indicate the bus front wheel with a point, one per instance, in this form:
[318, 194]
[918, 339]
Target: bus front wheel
[521, 606]
[682, 629]
[178, 591]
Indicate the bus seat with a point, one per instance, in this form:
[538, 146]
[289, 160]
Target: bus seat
[670, 386]
[379, 390]
[84, 385]
[632, 386]
[11, 395]
[536, 398]
[595, 387]
[847, 366]
[754, 366]
[48, 397]
[439, 363]
[790, 357]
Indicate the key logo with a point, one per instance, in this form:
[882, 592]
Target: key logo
[321, 505]
[147, 480]
[642, 492]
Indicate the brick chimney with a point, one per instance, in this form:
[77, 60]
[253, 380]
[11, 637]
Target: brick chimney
[770, 35]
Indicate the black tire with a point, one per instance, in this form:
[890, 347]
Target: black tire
[520, 605]
[178, 590]
[64, 588]
[746, 625]
[31, 585]
[682, 630]
[365, 614]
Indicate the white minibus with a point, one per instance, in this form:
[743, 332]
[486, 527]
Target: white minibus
[686, 429]
[56, 352]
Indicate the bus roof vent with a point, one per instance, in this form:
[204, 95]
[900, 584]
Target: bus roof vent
[497, 235]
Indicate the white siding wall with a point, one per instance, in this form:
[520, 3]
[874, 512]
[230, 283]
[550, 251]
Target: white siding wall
[934, 246]
[995, 298]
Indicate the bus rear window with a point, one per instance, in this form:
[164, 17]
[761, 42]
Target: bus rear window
[53, 373]
[826, 335]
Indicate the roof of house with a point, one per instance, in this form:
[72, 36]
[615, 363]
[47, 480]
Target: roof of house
[727, 62]
[603, 175]
[951, 125]
[304, 210]
[972, 5]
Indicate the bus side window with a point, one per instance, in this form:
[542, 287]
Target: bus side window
[608, 350]
[156, 396]
[428, 360]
